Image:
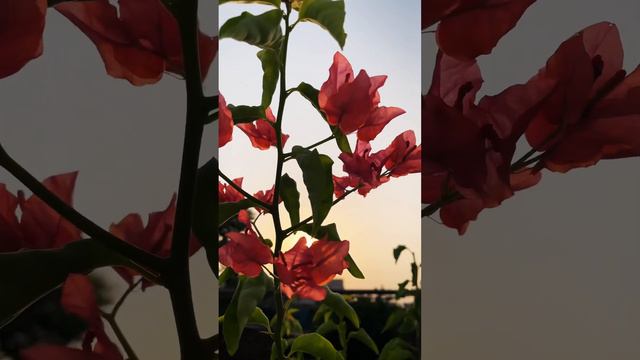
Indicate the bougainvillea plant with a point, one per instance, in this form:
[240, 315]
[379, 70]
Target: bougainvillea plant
[293, 266]
[46, 243]
[580, 108]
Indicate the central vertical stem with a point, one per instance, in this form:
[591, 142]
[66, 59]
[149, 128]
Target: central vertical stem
[177, 275]
[280, 234]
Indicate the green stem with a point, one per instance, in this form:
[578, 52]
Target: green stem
[310, 147]
[293, 228]
[275, 212]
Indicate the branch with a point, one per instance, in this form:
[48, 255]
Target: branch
[249, 197]
[293, 228]
[152, 263]
[128, 349]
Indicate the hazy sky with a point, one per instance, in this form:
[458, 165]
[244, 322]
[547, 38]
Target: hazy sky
[552, 273]
[383, 38]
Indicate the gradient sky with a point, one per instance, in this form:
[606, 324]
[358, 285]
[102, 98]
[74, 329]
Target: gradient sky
[383, 38]
[552, 273]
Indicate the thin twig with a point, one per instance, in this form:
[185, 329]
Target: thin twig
[249, 197]
[126, 346]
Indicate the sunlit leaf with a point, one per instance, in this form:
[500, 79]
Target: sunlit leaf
[329, 14]
[270, 74]
[246, 114]
[260, 30]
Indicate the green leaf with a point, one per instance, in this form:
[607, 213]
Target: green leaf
[315, 345]
[227, 273]
[205, 209]
[329, 14]
[330, 232]
[362, 336]
[227, 210]
[317, 176]
[275, 3]
[26, 276]
[291, 198]
[341, 307]
[258, 317]
[320, 313]
[246, 114]
[248, 294]
[327, 327]
[394, 319]
[414, 274]
[396, 349]
[311, 94]
[270, 74]
[397, 251]
[259, 30]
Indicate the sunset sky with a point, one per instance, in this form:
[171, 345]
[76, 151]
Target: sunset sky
[383, 38]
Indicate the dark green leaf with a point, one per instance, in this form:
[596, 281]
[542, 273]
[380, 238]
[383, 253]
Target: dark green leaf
[246, 114]
[329, 14]
[270, 74]
[205, 209]
[229, 209]
[414, 274]
[227, 273]
[291, 198]
[397, 251]
[26, 276]
[248, 294]
[408, 325]
[326, 328]
[362, 336]
[311, 94]
[260, 30]
[396, 349]
[315, 345]
[394, 319]
[317, 176]
[275, 3]
[339, 305]
[330, 232]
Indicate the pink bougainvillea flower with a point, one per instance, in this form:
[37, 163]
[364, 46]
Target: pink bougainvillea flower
[155, 237]
[593, 112]
[351, 103]
[469, 148]
[364, 170]
[138, 41]
[403, 156]
[225, 122]
[227, 193]
[304, 271]
[245, 253]
[262, 133]
[79, 299]
[39, 227]
[42, 227]
[21, 28]
[469, 28]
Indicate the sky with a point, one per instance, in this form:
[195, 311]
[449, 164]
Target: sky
[552, 273]
[383, 38]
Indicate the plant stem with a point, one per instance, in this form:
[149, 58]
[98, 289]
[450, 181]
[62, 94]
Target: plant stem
[275, 212]
[249, 197]
[124, 296]
[178, 278]
[289, 155]
[293, 228]
[151, 263]
[128, 349]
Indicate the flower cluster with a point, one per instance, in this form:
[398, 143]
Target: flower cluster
[580, 108]
[138, 41]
